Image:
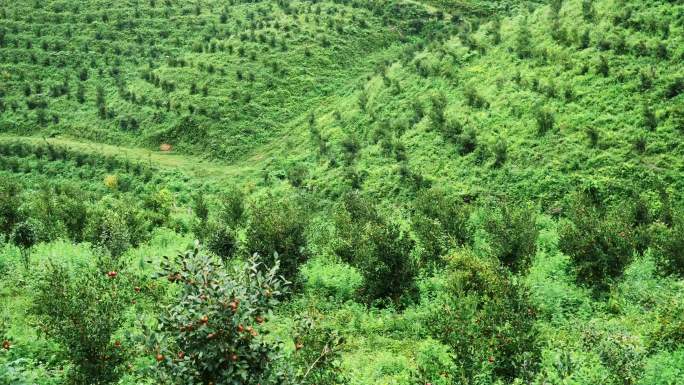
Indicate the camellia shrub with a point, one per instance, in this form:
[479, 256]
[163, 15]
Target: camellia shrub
[378, 248]
[25, 236]
[440, 222]
[600, 243]
[10, 201]
[81, 309]
[386, 262]
[278, 227]
[212, 331]
[485, 319]
[512, 233]
[668, 244]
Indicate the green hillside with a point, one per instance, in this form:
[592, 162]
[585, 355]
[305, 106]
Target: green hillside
[567, 112]
[357, 192]
[206, 75]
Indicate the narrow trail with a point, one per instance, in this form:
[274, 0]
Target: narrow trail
[192, 166]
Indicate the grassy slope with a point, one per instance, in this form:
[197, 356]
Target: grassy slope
[538, 166]
[261, 65]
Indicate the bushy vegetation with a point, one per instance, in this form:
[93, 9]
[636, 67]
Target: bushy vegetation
[342, 192]
[211, 333]
[82, 309]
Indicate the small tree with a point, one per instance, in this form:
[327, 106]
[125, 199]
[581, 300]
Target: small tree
[500, 152]
[212, 332]
[600, 244]
[649, 118]
[486, 320]
[25, 236]
[512, 234]
[545, 120]
[437, 114]
[82, 310]
[278, 227]
[523, 39]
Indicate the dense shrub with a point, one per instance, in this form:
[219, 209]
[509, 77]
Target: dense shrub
[668, 246]
[278, 227]
[82, 309]
[600, 242]
[664, 368]
[621, 351]
[212, 331]
[440, 222]
[511, 233]
[10, 202]
[378, 248]
[435, 363]
[669, 328]
[221, 240]
[545, 120]
[485, 319]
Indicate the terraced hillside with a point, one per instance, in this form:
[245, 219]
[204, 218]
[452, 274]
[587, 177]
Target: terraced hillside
[205, 75]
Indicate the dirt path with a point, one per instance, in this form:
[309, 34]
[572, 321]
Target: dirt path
[187, 164]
